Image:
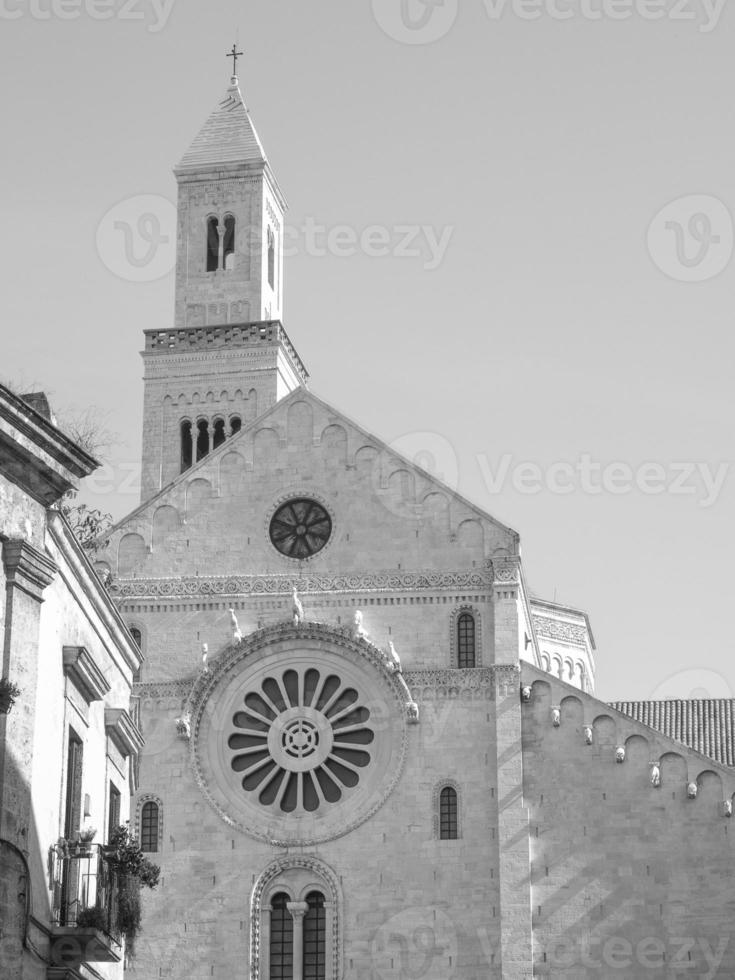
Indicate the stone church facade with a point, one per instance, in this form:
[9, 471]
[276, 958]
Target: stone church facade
[370, 753]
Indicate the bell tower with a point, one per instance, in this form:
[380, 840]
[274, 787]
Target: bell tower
[227, 358]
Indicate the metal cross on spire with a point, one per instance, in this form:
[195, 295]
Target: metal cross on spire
[234, 54]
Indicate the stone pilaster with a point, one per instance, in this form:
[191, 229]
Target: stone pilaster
[28, 572]
[514, 865]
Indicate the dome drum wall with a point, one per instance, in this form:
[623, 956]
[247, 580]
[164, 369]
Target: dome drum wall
[299, 734]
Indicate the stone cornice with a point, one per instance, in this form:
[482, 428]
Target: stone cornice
[35, 454]
[27, 568]
[83, 578]
[309, 584]
[80, 667]
[123, 731]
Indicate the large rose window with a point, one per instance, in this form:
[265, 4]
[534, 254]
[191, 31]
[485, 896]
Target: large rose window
[300, 528]
[301, 740]
[299, 734]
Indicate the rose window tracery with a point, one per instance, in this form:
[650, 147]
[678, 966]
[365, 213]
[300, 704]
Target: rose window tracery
[300, 528]
[300, 740]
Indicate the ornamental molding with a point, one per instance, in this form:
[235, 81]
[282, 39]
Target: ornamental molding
[280, 867]
[80, 667]
[506, 569]
[123, 732]
[27, 568]
[164, 690]
[554, 629]
[464, 684]
[256, 647]
[314, 583]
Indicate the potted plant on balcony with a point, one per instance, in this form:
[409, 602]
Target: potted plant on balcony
[84, 842]
[134, 872]
[93, 918]
[8, 693]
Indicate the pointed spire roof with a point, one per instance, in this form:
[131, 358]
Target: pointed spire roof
[228, 136]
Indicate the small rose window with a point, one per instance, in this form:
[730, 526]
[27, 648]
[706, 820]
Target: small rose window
[300, 528]
[301, 741]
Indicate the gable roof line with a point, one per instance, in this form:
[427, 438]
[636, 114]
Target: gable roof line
[301, 392]
[607, 707]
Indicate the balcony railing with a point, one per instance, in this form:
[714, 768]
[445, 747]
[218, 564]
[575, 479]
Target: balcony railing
[85, 904]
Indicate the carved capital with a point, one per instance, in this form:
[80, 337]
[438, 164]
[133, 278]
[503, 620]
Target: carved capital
[506, 569]
[27, 568]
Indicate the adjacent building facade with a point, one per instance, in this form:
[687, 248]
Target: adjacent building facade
[68, 740]
[370, 753]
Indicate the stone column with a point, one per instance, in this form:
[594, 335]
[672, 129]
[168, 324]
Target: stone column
[264, 947]
[298, 910]
[514, 859]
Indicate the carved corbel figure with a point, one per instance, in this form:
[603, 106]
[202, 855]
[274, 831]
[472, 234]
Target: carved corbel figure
[692, 789]
[556, 717]
[588, 735]
[205, 655]
[412, 713]
[393, 660]
[183, 726]
[297, 608]
[620, 754]
[728, 808]
[358, 630]
[236, 634]
[526, 693]
[655, 775]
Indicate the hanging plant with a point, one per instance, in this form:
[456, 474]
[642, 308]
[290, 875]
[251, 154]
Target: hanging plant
[134, 872]
[8, 694]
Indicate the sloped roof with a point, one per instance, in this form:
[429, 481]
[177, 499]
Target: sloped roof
[228, 135]
[705, 726]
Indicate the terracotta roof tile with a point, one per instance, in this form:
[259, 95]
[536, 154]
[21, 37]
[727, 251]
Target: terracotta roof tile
[705, 726]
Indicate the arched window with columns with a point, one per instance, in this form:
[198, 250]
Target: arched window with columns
[296, 922]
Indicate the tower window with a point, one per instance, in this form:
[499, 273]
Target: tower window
[448, 813]
[281, 945]
[271, 259]
[228, 251]
[202, 439]
[212, 244]
[466, 640]
[186, 446]
[219, 433]
[315, 938]
[149, 826]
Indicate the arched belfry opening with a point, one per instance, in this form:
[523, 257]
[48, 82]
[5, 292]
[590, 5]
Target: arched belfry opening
[212, 243]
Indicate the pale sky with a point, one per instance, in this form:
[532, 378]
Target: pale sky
[534, 319]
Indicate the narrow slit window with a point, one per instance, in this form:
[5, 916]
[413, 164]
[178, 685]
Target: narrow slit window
[149, 817]
[186, 446]
[466, 640]
[137, 636]
[281, 944]
[228, 251]
[113, 814]
[271, 259]
[315, 938]
[212, 244]
[219, 433]
[202, 439]
[448, 814]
